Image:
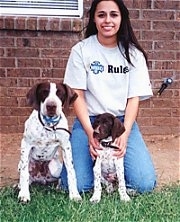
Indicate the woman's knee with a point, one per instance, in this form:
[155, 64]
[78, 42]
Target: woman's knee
[147, 186]
[143, 184]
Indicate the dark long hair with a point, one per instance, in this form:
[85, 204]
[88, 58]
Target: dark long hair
[125, 35]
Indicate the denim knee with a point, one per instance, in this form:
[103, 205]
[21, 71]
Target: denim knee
[144, 184]
[147, 186]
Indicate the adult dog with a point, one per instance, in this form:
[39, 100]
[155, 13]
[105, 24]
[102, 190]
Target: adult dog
[46, 130]
[108, 169]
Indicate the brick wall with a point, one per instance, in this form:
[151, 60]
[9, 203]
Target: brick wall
[34, 49]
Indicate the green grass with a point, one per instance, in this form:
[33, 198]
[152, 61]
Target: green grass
[49, 205]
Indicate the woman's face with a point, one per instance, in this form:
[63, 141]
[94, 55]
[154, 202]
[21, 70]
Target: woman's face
[107, 18]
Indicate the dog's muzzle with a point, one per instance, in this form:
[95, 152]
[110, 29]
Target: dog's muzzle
[51, 109]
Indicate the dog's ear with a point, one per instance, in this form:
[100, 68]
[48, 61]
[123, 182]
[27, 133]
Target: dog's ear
[95, 124]
[32, 97]
[70, 97]
[118, 128]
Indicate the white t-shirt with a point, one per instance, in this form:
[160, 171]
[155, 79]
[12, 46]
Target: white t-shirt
[106, 77]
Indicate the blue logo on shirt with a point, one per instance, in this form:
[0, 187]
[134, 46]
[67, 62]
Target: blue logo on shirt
[96, 67]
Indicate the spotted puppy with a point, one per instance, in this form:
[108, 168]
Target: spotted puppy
[108, 169]
[45, 137]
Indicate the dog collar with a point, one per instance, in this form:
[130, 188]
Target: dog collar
[108, 145]
[52, 127]
[51, 120]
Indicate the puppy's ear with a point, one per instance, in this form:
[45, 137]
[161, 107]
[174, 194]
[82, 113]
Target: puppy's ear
[118, 128]
[32, 97]
[70, 97]
[95, 124]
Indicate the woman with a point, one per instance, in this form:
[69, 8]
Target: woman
[108, 71]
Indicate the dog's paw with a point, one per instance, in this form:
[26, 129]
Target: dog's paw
[75, 197]
[24, 198]
[125, 197]
[95, 199]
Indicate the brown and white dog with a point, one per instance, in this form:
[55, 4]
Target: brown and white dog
[46, 131]
[108, 169]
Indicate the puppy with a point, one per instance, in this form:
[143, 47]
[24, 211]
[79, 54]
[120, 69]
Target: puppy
[45, 134]
[108, 169]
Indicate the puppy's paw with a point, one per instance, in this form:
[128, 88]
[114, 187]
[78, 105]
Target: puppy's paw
[75, 197]
[124, 197]
[95, 199]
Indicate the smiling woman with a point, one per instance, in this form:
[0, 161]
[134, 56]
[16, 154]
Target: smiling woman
[71, 8]
[108, 71]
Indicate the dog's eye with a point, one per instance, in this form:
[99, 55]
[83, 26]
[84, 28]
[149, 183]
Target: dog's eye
[45, 92]
[61, 95]
[58, 93]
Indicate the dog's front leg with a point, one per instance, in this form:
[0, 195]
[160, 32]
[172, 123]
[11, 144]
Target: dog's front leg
[120, 175]
[23, 166]
[97, 182]
[71, 176]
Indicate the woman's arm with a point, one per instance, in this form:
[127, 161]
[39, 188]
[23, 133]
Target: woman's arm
[130, 116]
[81, 111]
[131, 113]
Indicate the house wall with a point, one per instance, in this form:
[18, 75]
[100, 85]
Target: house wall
[35, 49]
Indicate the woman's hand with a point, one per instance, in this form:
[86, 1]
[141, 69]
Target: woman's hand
[81, 111]
[121, 143]
[93, 146]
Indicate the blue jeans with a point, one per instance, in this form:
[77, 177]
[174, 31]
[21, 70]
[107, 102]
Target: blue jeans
[139, 170]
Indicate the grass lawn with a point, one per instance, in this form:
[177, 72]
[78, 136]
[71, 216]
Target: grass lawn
[49, 205]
